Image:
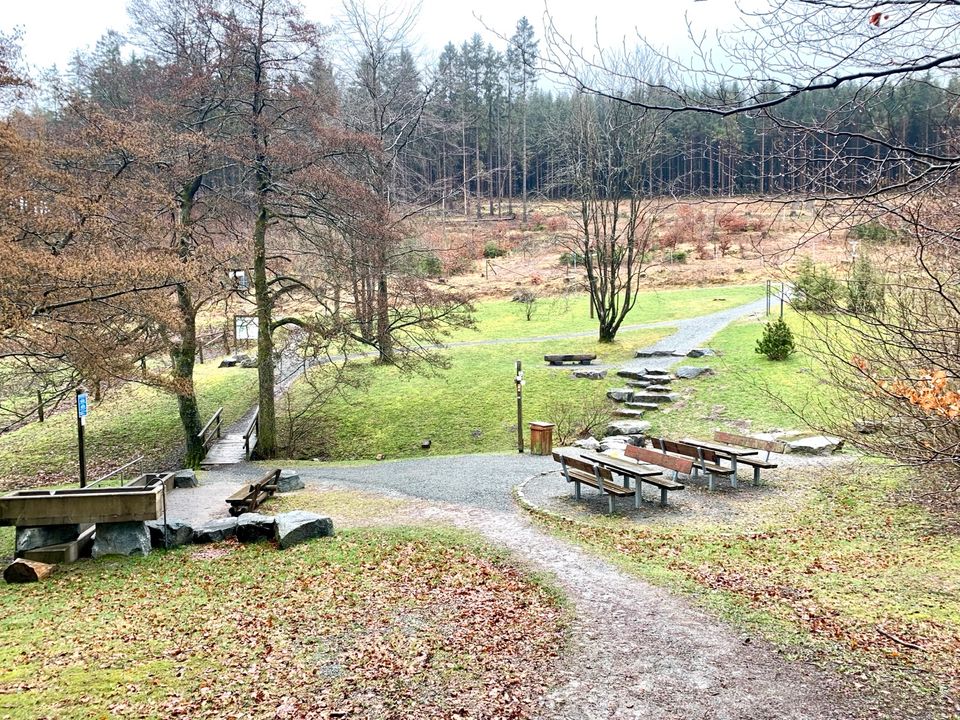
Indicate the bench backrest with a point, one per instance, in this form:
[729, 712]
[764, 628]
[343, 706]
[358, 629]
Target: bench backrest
[655, 457]
[683, 449]
[578, 463]
[750, 442]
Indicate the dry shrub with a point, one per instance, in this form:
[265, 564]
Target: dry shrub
[578, 417]
[686, 227]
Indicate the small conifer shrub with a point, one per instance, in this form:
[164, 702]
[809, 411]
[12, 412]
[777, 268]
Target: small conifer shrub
[777, 341]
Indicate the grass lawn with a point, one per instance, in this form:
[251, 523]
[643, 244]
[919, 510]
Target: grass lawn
[741, 395]
[422, 622]
[129, 421]
[830, 560]
[553, 316]
[469, 408]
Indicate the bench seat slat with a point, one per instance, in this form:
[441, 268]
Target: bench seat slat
[589, 479]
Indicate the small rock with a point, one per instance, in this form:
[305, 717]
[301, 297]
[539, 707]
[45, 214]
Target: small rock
[627, 427]
[816, 445]
[654, 353]
[121, 538]
[590, 443]
[289, 481]
[589, 373]
[701, 352]
[252, 527]
[30, 538]
[380, 456]
[172, 534]
[689, 372]
[426, 443]
[248, 362]
[867, 427]
[299, 526]
[215, 531]
[185, 479]
[620, 394]
[228, 362]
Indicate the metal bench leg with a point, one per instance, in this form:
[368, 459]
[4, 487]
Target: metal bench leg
[710, 481]
[756, 476]
[638, 494]
[576, 489]
[610, 502]
[663, 497]
[733, 479]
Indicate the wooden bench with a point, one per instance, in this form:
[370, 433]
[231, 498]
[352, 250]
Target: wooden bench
[578, 470]
[705, 460]
[249, 497]
[768, 446]
[561, 359]
[639, 472]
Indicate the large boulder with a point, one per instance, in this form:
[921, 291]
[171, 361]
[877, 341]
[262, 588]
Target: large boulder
[289, 481]
[30, 538]
[215, 531]
[299, 526]
[815, 445]
[589, 373]
[589, 443]
[173, 533]
[252, 527]
[619, 442]
[620, 394]
[627, 427]
[185, 479]
[689, 372]
[121, 538]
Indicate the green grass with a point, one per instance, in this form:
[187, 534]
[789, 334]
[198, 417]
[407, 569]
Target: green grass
[497, 319]
[129, 421]
[741, 396]
[411, 618]
[469, 408]
[827, 558]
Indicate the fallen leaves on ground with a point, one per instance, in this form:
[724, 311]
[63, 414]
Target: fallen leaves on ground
[373, 624]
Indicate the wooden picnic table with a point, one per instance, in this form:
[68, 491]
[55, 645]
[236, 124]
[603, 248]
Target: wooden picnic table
[728, 451]
[640, 473]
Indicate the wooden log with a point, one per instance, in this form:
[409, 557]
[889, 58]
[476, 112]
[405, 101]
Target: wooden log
[25, 571]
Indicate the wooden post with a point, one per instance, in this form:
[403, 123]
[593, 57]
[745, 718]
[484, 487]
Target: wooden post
[519, 382]
[40, 405]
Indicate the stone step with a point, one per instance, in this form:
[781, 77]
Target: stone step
[656, 373]
[638, 383]
[632, 374]
[654, 379]
[658, 388]
[621, 394]
[652, 397]
[628, 413]
[642, 405]
[655, 353]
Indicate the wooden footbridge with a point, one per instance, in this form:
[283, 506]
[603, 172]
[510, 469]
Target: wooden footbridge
[229, 448]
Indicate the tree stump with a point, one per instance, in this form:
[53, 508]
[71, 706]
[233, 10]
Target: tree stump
[25, 571]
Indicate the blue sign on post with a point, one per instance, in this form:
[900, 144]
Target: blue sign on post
[82, 405]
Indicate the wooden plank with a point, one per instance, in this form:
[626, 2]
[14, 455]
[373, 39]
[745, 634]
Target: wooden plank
[654, 457]
[751, 442]
[722, 449]
[617, 465]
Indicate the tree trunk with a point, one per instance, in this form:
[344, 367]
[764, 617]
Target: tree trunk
[183, 357]
[267, 433]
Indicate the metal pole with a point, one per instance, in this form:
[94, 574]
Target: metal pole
[81, 422]
[519, 382]
[768, 297]
[782, 291]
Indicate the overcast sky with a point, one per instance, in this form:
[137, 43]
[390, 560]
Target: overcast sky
[54, 29]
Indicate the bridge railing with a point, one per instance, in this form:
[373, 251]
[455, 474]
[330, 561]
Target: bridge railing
[211, 431]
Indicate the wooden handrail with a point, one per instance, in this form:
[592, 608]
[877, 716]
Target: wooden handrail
[215, 419]
[253, 430]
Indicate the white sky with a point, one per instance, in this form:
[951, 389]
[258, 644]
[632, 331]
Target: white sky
[54, 29]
